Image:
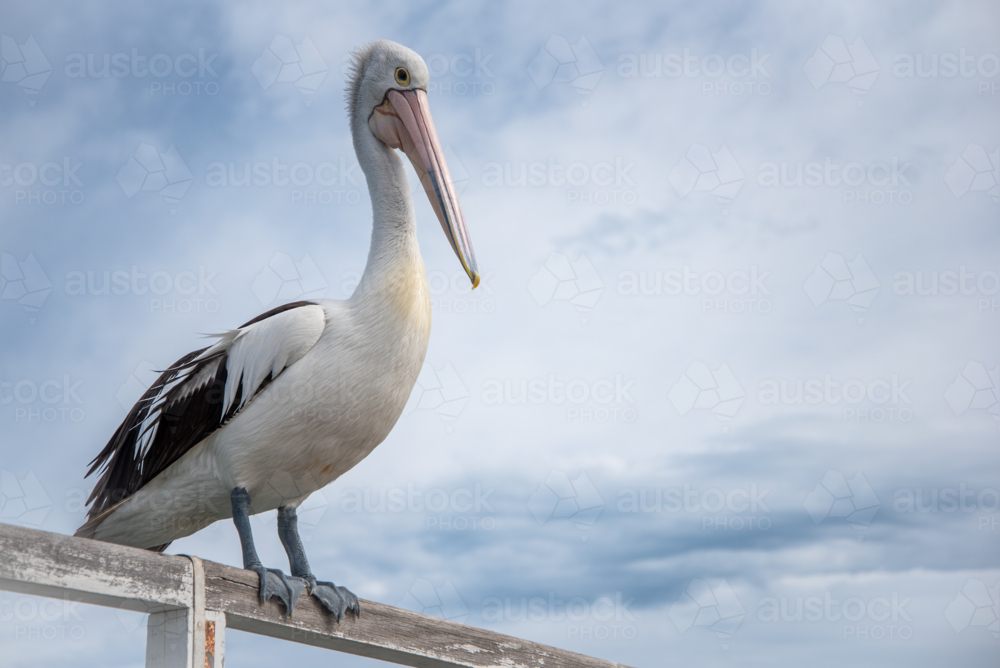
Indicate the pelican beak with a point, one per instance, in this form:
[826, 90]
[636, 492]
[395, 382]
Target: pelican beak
[420, 143]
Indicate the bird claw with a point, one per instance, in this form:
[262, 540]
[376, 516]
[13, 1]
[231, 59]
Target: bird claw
[275, 583]
[337, 600]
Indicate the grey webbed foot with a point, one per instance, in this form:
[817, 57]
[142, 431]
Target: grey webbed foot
[337, 600]
[275, 583]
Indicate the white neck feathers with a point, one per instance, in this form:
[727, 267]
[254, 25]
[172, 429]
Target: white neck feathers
[394, 263]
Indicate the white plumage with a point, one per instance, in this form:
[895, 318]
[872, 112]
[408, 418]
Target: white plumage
[284, 405]
[264, 349]
[316, 421]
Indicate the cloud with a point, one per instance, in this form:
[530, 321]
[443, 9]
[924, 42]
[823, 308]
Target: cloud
[558, 254]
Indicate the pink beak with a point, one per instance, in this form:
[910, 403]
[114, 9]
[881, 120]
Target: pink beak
[418, 139]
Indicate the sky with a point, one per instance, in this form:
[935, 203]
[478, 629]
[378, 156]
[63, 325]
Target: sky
[728, 394]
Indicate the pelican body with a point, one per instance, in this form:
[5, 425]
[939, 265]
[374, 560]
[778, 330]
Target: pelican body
[293, 399]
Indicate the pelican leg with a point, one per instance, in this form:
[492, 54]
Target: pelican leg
[272, 581]
[337, 600]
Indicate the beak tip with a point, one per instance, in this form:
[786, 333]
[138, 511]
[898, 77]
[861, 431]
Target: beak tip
[475, 280]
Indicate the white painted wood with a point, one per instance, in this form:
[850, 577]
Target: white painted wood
[175, 588]
[196, 626]
[176, 639]
[206, 628]
[47, 564]
[170, 639]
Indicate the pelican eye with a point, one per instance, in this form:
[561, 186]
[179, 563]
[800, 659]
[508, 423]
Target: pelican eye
[402, 76]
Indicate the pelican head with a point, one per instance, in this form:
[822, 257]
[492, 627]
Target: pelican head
[388, 88]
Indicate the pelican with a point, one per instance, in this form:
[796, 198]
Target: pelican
[290, 401]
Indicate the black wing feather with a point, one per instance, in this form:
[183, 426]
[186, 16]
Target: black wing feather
[165, 423]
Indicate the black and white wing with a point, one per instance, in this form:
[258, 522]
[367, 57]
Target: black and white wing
[197, 395]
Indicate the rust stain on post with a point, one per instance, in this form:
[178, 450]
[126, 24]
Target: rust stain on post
[209, 644]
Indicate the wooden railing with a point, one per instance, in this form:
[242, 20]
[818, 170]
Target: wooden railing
[191, 603]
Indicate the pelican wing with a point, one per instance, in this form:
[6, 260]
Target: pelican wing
[197, 395]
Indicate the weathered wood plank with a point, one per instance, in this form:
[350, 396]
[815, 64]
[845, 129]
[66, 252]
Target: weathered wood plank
[382, 632]
[57, 566]
[46, 564]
